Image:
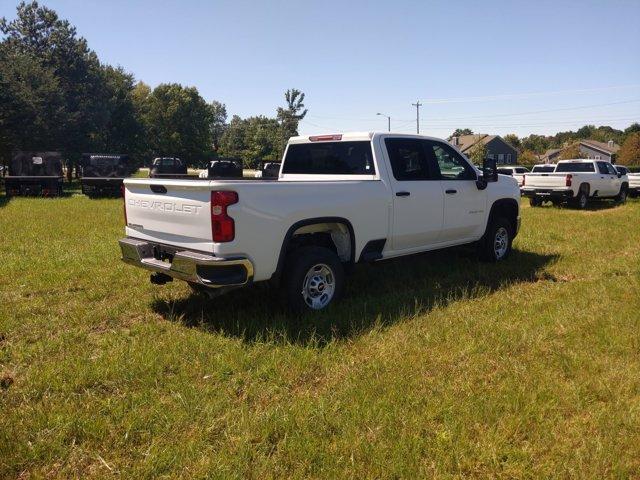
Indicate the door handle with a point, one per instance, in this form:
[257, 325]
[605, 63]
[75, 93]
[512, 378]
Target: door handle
[451, 192]
[403, 194]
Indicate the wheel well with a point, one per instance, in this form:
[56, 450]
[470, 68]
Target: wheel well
[585, 187]
[333, 233]
[507, 208]
[624, 186]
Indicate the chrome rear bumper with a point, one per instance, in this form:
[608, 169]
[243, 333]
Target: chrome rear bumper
[193, 267]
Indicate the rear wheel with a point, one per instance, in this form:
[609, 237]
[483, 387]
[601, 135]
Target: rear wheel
[497, 242]
[313, 278]
[581, 201]
[535, 202]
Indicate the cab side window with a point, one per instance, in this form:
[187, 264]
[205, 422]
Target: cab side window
[450, 163]
[612, 171]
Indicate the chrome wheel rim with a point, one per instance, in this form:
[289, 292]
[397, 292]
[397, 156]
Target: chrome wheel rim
[319, 286]
[501, 242]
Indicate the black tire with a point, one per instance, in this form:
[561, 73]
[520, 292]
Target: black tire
[304, 291]
[621, 198]
[535, 202]
[581, 201]
[488, 246]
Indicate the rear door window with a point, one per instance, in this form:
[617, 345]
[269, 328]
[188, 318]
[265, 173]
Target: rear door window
[602, 168]
[330, 158]
[408, 159]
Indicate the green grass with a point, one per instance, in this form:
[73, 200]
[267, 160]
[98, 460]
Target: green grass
[433, 366]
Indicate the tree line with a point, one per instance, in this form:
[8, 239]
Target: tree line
[55, 94]
[531, 146]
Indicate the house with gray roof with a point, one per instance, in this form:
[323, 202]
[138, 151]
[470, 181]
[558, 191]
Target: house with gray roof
[599, 150]
[497, 148]
[550, 156]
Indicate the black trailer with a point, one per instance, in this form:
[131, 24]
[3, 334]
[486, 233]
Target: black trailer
[34, 173]
[102, 174]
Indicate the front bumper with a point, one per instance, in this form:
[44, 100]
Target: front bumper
[187, 265]
[547, 193]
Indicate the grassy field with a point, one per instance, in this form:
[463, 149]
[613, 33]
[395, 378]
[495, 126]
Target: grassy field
[434, 366]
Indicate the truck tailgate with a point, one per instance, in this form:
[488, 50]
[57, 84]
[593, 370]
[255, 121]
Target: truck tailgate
[545, 180]
[170, 211]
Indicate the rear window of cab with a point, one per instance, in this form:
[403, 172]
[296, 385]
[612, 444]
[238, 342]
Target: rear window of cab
[575, 167]
[330, 158]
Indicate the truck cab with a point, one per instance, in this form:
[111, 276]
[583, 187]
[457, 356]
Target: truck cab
[166, 167]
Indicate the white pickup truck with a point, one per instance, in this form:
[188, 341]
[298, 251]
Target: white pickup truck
[576, 182]
[338, 200]
[634, 180]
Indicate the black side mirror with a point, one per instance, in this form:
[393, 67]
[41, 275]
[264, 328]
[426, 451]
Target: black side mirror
[489, 170]
[619, 175]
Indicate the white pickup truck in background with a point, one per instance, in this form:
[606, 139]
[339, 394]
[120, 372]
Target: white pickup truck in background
[576, 182]
[516, 172]
[634, 180]
[338, 200]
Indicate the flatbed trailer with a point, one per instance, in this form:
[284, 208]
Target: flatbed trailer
[33, 186]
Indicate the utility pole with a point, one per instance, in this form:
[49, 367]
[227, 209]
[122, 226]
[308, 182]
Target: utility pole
[417, 105]
[388, 120]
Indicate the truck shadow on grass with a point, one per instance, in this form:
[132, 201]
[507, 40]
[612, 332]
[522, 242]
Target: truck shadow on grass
[376, 295]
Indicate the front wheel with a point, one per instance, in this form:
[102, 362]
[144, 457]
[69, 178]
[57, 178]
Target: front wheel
[622, 196]
[497, 242]
[313, 280]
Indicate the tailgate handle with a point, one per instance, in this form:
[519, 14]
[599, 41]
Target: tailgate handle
[158, 188]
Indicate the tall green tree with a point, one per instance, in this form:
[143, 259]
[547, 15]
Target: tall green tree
[218, 122]
[513, 140]
[478, 153]
[629, 153]
[252, 139]
[55, 94]
[458, 132]
[178, 122]
[289, 117]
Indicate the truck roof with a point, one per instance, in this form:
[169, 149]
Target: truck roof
[577, 160]
[352, 136]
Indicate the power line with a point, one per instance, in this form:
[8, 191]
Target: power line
[516, 96]
[495, 115]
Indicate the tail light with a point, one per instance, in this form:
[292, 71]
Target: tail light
[568, 180]
[223, 227]
[524, 180]
[123, 190]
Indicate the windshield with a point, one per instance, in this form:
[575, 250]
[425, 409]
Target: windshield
[575, 167]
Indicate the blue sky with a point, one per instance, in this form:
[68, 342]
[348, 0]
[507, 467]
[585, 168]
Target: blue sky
[496, 67]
